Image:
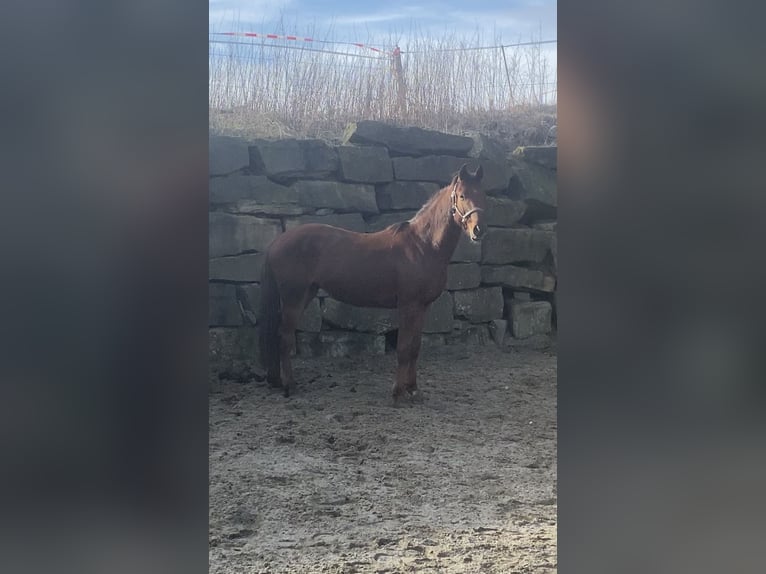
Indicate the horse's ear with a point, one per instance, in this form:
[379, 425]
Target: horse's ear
[463, 173]
[479, 173]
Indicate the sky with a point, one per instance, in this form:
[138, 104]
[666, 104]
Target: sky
[361, 21]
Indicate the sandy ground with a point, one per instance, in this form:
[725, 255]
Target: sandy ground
[337, 479]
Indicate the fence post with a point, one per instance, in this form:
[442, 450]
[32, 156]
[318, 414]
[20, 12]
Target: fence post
[401, 88]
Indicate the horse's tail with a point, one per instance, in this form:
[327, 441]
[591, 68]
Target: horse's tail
[269, 317]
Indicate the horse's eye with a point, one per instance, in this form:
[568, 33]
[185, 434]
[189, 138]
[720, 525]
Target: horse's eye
[462, 196]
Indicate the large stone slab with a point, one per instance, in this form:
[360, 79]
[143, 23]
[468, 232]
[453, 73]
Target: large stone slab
[343, 197]
[546, 156]
[432, 341]
[227, 155]
[223, 308]
[435, 168]
[497, 176]
[469, 335]
[240, 268]
[365, 164]
[292, 158]
[533, 183]
[500, 246]
[479, 305]
[517, 278]
[439, 316]
[497, 330]
[340, 344]
[466, 251]
[408, 140]
[311, 320]
[259, 188]
[503, 212]
[364, 319]
[234, 234]
[404, 194]
[486, 147]
[350, 221]
[463, 276]
[530, 318]
[380, 222]
[227, 344]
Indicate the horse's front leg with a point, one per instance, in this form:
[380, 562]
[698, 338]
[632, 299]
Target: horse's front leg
[411, 318]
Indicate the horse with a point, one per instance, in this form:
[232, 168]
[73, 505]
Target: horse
[403, 267]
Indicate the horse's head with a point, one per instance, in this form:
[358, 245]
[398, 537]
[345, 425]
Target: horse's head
[469, 202]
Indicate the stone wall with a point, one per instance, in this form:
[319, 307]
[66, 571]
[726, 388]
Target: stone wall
[498, 290]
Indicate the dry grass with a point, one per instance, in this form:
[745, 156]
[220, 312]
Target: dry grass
[265, 88]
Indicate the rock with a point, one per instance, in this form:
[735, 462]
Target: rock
[241, 268]
[466, 250]
[504, 212]
[258, 188]
[497, 176]
[432, 340]
[235, 234]
[249, 297]
[517, 278]
[530, 318]
[380, 222]
[534, 184]
[223, 307]
[545, 225]
[290, 159]
[340, 344]
[249, 207]
[226, 344]
[406, 141]
[350, 221]
[518, 296]
[311, 320]
[404, 194]
[363, 319]
[479, 305]
[435, 168]
[500, 246]
[469, 335]
[365, 164]
[546, 156]
[439, 317]
[342, 197]
[227, 155]
[486, 147]
[463, 276]
[497, 330]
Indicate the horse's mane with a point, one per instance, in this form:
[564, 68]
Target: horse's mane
[427, 214]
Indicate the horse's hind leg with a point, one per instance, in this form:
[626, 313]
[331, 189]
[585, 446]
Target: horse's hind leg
[411, 319]
[290, 316]
[292, 309]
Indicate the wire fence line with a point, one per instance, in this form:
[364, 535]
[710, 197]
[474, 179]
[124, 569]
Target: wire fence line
[429, 83]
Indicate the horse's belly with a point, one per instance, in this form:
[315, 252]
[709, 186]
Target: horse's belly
[362, 293]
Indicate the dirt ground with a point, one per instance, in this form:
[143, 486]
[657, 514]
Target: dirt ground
[337, 479]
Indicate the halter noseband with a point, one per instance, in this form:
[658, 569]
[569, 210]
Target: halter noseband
[455, 209]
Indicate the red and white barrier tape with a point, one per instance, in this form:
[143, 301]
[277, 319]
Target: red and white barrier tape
[297, 39]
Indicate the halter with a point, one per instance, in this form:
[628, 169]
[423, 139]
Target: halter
[455, 209]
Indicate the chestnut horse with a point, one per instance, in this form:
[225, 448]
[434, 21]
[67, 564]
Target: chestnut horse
[403, 266]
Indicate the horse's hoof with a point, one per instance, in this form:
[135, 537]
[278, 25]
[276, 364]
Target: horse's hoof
[287, 392]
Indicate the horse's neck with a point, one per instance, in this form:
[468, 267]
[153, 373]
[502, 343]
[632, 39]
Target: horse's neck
[437, 229]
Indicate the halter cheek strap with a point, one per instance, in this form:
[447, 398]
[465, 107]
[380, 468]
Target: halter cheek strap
[455, 209]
